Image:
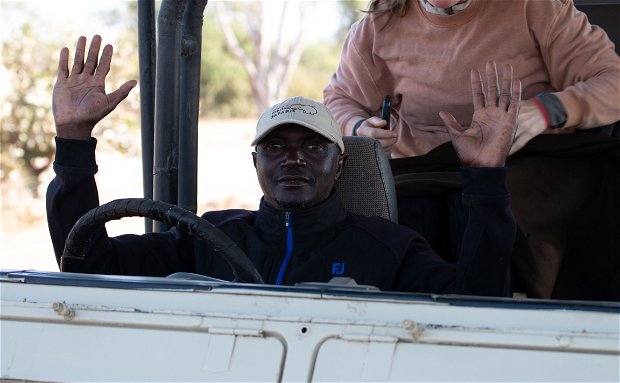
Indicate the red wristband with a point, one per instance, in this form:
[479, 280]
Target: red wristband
[543, 111]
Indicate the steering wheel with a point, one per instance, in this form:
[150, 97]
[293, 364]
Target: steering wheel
[75, 246]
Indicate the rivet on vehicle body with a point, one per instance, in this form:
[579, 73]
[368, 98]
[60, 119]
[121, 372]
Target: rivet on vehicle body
[63, 309]
[412, 328]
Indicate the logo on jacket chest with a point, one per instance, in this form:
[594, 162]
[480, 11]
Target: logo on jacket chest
[338, 268]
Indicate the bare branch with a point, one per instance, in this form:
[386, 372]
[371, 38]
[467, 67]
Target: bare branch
[272, 64]
[232, 42]
[291, 56]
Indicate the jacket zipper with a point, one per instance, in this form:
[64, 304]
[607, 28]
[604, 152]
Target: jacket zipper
[289, 247]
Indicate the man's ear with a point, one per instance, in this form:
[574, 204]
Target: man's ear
[254, 159]
[342, 161]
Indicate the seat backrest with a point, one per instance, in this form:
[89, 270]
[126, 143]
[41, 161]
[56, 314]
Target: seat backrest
[366, 185]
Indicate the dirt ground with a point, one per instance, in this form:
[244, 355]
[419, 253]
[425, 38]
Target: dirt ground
[226, 180]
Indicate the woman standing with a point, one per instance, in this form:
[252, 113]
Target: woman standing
[420, 52]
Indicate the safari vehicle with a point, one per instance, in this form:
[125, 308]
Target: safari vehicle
[60, 326]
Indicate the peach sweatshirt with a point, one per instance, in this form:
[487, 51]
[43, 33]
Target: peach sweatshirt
[423, 60]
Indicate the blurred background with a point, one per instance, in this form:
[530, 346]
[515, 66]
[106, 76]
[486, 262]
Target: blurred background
[307, 34]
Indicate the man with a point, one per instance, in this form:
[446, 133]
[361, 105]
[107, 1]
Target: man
[301, 233]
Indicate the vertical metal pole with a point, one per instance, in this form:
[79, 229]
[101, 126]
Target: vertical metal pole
[191, 44]
[165, 170]
[146, 51]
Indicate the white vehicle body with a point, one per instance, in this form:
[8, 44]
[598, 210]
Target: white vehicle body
[74, 327]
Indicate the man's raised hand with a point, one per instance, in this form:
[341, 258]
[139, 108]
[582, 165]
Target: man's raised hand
[487, 142]
[79, 100]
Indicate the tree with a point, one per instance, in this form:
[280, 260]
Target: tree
[27, 126]
[269, 63]
[351, 11]
[29, 65]
[224, 85]
[320, 60]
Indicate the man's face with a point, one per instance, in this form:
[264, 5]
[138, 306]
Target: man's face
[296, 167]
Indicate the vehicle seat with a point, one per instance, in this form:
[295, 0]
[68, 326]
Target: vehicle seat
[366, 185]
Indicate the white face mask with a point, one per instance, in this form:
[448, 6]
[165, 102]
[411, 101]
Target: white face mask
[445, 7]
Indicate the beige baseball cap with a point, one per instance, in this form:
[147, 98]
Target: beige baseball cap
[301, 111]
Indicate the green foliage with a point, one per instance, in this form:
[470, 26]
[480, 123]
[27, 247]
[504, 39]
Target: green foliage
[27, 132]
[318, 63]
[120, 128]
[351, 11]
[225, 87]
[27, 126]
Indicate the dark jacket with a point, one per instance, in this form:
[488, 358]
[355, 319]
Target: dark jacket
[310, 245]
[564, 191]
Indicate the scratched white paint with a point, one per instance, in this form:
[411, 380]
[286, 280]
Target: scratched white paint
[249, 333]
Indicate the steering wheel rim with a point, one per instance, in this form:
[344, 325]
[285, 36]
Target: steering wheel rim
[75, 246]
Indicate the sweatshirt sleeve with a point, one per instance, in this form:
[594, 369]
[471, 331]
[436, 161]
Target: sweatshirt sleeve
[582, 63]
[358, 85]
[73, 192]
[487, 245]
